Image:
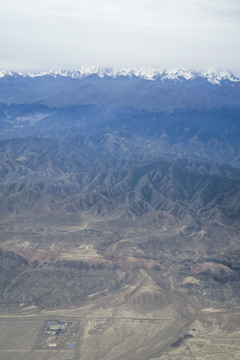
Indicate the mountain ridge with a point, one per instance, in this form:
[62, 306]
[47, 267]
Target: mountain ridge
[175, 74]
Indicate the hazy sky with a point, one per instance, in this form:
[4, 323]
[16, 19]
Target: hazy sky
[65, 34]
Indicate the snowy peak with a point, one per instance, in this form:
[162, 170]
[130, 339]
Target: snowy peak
[216, 77]
[6, 73]
[213, 76]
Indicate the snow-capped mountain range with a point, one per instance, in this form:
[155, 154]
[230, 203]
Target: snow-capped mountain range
[213, 76]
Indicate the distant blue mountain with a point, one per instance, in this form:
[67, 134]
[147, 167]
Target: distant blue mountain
[183, 113]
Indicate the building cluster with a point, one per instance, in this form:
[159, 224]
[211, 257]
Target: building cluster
[57, 330]
[55, 327]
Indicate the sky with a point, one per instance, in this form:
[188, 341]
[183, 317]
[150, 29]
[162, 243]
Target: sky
[41, 35]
